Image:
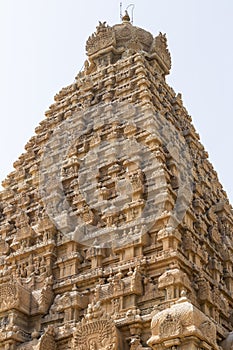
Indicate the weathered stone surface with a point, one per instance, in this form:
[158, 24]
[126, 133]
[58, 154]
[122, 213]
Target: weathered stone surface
[155, 269]
[180, 322]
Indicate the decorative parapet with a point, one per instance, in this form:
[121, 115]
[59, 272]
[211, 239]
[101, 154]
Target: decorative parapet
[120, 286]
[108, 44]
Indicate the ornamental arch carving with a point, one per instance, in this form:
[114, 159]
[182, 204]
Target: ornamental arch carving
[96, 331]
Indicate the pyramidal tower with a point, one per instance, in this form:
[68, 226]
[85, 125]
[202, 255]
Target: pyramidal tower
[115, 233]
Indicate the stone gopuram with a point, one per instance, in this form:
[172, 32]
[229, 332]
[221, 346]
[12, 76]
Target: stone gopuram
[115, 233]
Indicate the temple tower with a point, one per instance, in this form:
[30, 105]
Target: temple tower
[115, 232]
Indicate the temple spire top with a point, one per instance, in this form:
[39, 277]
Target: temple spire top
[126, 17]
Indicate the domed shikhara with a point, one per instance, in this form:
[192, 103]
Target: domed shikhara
[109, 44]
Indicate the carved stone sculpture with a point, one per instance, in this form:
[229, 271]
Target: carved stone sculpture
[182, 321]
[115, 231]
[96, 331]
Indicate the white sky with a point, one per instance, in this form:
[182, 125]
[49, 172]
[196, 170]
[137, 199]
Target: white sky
[43, 48]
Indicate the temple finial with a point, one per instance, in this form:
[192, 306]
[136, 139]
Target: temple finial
[126, 17]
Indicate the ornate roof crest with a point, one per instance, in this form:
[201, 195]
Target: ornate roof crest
[101, 39]
[160, 47]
